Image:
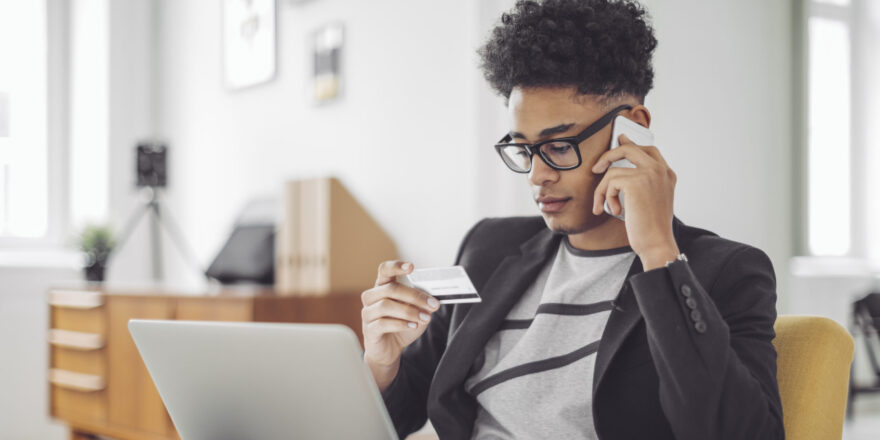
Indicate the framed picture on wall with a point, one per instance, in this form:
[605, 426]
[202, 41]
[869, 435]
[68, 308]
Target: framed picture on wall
[327, 63]
[248, 42]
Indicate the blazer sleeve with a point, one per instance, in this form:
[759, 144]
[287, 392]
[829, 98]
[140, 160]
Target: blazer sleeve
[713, 353]
[406, 398]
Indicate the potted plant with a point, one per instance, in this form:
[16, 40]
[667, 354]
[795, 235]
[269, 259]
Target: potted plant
[96, 242]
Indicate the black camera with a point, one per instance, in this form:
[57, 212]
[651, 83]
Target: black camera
[152, 161]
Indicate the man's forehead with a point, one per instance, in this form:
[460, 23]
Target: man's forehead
[540, 113]
[544, 133]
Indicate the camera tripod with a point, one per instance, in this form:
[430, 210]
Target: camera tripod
[159, 216]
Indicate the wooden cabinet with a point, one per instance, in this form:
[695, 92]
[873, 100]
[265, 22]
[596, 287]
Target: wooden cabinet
[98, 382]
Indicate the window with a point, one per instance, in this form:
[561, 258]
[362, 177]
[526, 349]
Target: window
[829, 145]
[24, 187]
[842, 136]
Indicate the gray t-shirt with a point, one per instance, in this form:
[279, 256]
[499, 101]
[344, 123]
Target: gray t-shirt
[534, 378]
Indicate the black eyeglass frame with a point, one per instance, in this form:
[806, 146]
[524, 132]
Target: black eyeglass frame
[574, 140]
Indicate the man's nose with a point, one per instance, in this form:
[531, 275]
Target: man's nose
[541, 173]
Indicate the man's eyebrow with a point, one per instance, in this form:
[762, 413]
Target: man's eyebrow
[561, 128]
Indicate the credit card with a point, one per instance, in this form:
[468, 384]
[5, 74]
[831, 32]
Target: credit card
[450, 285]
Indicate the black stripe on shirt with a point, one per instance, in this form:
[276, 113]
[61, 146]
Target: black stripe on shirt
[558, 309]
[534, 367]
[595, 253]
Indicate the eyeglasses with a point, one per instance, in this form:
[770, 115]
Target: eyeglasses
[559, 154]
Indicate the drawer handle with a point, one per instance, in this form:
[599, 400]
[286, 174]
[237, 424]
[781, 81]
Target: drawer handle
[76, 381]
[75, 299]
[75, 340]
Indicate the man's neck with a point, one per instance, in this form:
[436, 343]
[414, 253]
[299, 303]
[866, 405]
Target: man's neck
[609, 234]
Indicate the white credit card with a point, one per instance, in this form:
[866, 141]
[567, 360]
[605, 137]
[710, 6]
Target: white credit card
[450, 285]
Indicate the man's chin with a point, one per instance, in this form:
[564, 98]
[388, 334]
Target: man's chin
[561, 225]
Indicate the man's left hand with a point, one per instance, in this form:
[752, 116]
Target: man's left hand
[649, 192]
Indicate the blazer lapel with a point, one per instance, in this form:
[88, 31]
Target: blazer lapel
[624, 316]
[500, 292]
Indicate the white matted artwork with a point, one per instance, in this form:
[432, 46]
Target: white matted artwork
[327, 63]
[248, 42]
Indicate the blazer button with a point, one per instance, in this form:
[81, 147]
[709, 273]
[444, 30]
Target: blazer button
[691, 303]
[695, 315]
[700, 326]
[686, 290]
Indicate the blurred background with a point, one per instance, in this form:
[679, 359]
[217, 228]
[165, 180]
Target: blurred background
[766, 110]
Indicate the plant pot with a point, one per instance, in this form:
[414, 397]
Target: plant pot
[95, 271]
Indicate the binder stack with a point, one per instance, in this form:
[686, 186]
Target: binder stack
[327, 242]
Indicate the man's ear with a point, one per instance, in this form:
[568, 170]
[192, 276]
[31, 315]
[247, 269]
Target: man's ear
[640, 115]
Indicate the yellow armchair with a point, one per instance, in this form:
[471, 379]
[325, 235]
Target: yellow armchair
[813, 366]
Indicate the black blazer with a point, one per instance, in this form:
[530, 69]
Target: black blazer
[686, 353]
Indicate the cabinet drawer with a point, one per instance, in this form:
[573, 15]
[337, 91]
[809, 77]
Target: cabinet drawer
[79, 320]
[88, 362]
[77, 396]
[74, 405]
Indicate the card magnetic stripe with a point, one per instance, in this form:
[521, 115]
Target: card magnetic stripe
[456, 296]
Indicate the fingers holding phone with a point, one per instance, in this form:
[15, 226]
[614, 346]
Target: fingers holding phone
[624, 131]
[634, 168]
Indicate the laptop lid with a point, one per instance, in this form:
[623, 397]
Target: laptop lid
[262, 381]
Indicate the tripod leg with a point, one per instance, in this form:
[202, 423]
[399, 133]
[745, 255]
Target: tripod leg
[177, 239]
[129, 229]
[156, 243]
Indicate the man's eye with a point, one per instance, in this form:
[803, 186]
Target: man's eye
[560, 148]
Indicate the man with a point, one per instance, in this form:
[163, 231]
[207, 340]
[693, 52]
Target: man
[589, 326]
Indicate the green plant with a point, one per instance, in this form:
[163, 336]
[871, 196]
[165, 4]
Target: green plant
[97, 242]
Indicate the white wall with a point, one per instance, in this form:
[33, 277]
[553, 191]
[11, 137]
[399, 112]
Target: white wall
[723, 118]
[401, 138]
[412, 135]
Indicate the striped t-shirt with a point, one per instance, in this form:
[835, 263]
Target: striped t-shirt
[534, 378]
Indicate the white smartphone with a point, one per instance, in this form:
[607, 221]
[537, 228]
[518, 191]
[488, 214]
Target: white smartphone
[639, 135]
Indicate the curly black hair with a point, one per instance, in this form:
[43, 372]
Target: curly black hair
[603, 47]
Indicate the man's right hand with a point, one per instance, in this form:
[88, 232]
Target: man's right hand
[394, 315]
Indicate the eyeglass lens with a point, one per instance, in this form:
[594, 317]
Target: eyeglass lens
[557, 154]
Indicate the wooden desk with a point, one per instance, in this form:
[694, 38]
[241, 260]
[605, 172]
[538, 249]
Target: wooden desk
[98, 383]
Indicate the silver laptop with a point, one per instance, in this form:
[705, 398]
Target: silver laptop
[262, 381]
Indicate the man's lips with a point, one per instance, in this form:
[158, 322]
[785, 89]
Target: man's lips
[552, 204]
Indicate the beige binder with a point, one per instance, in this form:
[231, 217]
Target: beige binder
[286, 239]
[327, 241]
